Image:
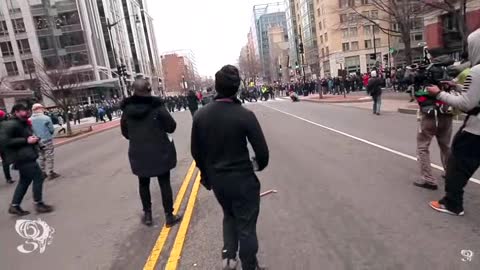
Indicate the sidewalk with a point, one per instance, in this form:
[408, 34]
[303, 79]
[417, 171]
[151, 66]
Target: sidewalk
[350, 98]
[388, 105]
[96, 128]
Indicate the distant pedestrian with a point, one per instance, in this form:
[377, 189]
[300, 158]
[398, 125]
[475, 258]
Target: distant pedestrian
[147, 124]
[375, 90]
[218, 145]
[101, 114]
[109, 112]
[21, 149]
[5, 164]
[192, 101]
[43, 128]
[77, 117]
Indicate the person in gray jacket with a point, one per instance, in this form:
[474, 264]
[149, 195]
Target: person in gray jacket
[43, 128]
[464, 159]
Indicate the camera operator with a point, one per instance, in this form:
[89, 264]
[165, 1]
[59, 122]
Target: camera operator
[464, 159]
[434, 121]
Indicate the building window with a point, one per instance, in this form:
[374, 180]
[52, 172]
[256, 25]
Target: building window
[18, 25]
[67, 18]
[366, 14]
[351, 3]
[321, 39]
[354, 45]
[75, 59]
[367, 30]
[12, 69]
[3, 28]
[343, 18]
[28, 66]
[374, 14]
[418, 37]
[364, 2]
[378, 42]
[327, 51]
[417, 24]
[23, 46]
[345, 33]
[318, 12]
[376, 29]
[342, 3]
[345, 46]
[323, 52]
[50, 62]
[326, 37]
[320, 25]
[352, 64]
[72, 39]
[45, 43]
[41, 22]
[6, 48]
[368, 44]
[353, 32]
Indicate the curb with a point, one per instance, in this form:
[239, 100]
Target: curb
[85, 135]
[337, 101]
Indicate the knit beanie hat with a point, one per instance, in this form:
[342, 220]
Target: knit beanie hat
[227, 81]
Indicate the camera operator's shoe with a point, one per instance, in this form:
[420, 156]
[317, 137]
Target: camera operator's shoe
[42, 208]
[438, 206]
[10, 181]
[426, 185]
[229, 264]
[147, 218]
[53, 175]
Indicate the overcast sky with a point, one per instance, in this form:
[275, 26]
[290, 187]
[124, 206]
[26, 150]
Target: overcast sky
[215, 30]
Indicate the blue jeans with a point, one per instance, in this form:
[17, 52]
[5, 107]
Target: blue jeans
[377, 102]
[29, 172]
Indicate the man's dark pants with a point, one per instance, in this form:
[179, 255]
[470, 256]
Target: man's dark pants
[29, 172]
[463, 161]
[239, 196]
[6, 168]
[165, 188]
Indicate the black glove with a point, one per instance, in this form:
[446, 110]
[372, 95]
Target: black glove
[205, 182]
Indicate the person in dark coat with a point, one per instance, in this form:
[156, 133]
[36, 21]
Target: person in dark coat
[146, 124]
[5, 164]
[219, 146]
[21, 149]
[374, 88]
[192, 101]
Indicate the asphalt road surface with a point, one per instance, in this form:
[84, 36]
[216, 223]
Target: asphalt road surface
[345, 201]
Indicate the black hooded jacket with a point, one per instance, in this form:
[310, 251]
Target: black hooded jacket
[146, 124]
[13, 142]
[219, 141]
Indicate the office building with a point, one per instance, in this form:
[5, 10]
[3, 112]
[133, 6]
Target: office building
[73, 35]
[264, 17]
[179, 71]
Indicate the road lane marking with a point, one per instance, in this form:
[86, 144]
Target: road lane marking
[162, 238]
[176, 252]
[474, 180]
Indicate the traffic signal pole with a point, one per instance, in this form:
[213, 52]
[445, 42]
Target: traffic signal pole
[120, 81]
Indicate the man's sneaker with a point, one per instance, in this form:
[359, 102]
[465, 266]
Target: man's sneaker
[229, 264]
[53, 175]
[426, 185]
[10, 181]
[17, 210]
[147, 218]
[171, 220]
[436, 205]
[42, 208]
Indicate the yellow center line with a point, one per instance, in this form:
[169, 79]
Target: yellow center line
[162, 238]
[174, 258]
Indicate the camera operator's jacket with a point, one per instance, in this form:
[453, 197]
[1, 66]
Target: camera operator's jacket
[469, 101]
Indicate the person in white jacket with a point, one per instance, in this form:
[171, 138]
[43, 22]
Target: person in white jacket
[464, 159]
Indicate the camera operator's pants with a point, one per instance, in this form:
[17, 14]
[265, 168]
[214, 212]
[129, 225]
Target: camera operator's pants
[431, 126]
[239, 196]
[462, 164]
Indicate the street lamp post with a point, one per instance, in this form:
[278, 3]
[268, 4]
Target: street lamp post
[109, 27]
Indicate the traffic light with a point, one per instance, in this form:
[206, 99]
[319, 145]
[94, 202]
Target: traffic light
[280, 67]
[124, 70]
[119, 71]
[300, 48]
[296, 65]
[373, 56]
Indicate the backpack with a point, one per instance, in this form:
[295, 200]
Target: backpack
[430, 105]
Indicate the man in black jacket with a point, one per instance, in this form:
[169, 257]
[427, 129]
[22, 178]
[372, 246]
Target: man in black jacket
[21, 149]
[147, 124]
[227, 168]
[5, 165]
[192, 101]
[374, 88]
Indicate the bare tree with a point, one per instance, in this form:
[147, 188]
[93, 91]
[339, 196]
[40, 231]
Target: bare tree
[455, 8]
[249, 68]
[58, 85]
[401, 14]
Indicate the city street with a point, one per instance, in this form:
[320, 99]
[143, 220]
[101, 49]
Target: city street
[345, 201]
